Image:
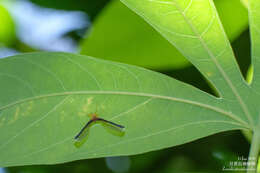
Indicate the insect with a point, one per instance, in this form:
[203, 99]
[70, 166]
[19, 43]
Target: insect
[95, 118]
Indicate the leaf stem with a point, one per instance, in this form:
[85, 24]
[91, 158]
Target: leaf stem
[254, 150]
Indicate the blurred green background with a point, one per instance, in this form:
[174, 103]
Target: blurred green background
[107, 29]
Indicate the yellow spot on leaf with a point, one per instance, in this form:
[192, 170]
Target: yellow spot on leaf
[90, 99]
[85, 107]
[209, 74]
[27, 108]
[16, 115]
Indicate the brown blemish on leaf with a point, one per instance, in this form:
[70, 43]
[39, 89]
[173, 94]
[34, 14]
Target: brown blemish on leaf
[85, 107]
[16, 115]
[209, 74]
[89, 100]
[26, 109]
[29, 108]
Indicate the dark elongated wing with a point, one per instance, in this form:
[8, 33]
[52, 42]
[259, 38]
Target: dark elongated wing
[83, 131]
[114, 125]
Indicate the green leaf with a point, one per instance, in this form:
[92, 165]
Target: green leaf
[234, 21]
[118, 34]
[199, 35]
[46, 98]
[245, 3]
[7, 28]
[254, 17]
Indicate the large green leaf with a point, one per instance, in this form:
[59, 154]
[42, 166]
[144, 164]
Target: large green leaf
[133, 41]
[46, 98]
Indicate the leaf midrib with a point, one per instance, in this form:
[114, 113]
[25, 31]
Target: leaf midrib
[210, 107]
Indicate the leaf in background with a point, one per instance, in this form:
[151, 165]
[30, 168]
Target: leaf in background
[120, 35]
[46, 98]
[234, 17]
[7, 28]
[241, 47]
[245, 3]
[92, 8]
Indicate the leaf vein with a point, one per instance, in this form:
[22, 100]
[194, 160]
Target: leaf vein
[33, 123]
[25, 83]
[46, 70]
[132, 109]
[84, 69]
[230, 84]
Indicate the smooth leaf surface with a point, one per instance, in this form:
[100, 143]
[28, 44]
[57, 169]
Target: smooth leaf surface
[7, 28]
[129, 39]
[234, 21]
[45, 99]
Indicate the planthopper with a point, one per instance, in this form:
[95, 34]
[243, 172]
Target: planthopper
[94, 118]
